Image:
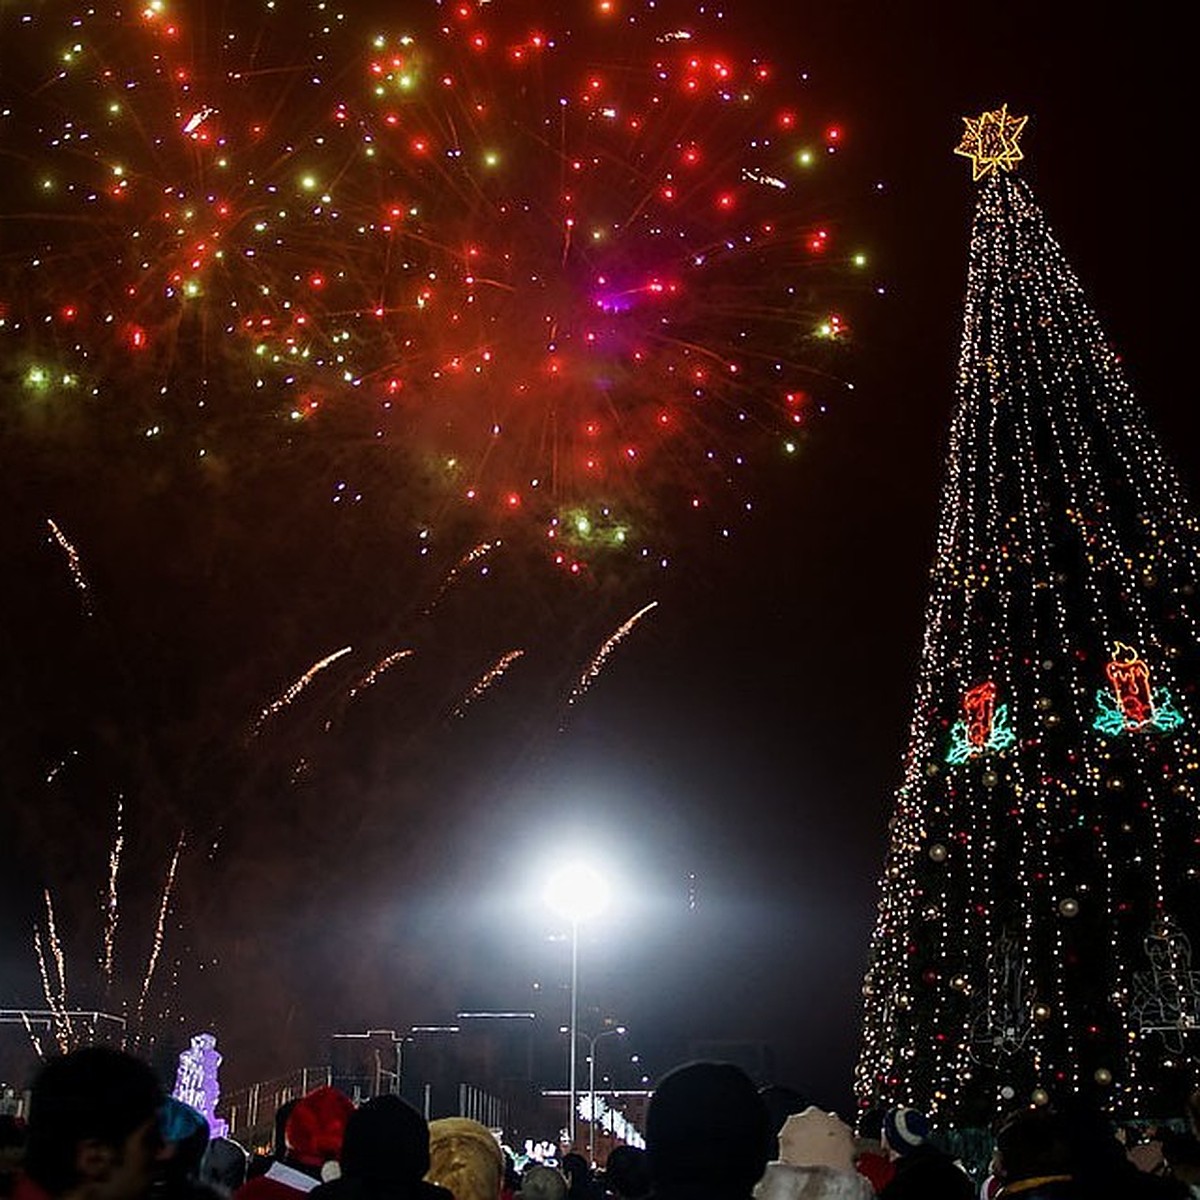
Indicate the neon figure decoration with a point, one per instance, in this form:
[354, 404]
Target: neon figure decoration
[983, 727]
[196, 1081]
[1133, 704]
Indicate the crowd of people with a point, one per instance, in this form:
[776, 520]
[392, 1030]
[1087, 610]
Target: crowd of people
[99, 1128]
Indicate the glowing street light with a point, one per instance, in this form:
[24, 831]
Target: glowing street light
[576, 893]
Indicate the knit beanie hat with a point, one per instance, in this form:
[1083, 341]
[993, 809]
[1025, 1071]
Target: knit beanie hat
[316, 1125]
[387, 1141]
[905, 1129]
[707, 1125]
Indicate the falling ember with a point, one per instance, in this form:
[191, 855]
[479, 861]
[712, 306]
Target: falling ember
[159, 930]
[372, 676]
[594, 668]
[491, 676]
[111, 906]
[296, 688]
[73, 565]
[56, 770]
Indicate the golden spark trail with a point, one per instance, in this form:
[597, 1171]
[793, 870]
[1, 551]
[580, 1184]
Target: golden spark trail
[33, 1037]
[601, 656]
[159, 930]
[372, 676]
[74, 566]
[295, 689]
[472, 556]
[491, 676]
[60, 962]
[111, 905]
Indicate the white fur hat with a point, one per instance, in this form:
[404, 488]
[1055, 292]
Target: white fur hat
[815, 1138]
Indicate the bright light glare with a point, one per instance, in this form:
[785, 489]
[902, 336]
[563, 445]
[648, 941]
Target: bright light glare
[577, 892]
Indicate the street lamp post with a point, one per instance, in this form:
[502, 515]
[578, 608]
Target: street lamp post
[591, 1041]
[575, 892]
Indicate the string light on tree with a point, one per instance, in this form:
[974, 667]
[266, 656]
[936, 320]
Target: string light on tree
[1037, 848]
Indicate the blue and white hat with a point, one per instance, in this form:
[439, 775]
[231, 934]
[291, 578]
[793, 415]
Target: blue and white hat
[905, 1129]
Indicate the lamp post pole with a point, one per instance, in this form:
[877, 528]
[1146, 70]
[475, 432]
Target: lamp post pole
[577, 893]
[574, 1036]
[591, 1041]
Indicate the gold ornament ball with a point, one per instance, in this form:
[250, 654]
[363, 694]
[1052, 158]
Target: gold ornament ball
[1045, 702]
[990, 779]
[1116, 783]
[1069, 907]
[1052, 719]
[1103, 1076]
[959, 983]
[1040, 1097]
[933, 769]
[1041, 1012]
[938, 852]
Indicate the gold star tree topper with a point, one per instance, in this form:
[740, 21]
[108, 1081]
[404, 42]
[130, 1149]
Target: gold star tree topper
[990, 142]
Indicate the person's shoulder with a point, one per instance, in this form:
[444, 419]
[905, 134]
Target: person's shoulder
[267, 1187]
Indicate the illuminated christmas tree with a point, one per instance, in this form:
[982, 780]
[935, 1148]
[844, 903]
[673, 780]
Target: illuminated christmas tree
[1043, 875]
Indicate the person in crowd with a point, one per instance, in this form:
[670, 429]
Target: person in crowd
[1101, 1164]
[185, 1136]
[224, 1165]
[816, 1161]
[12, 1151]
[543, 1183]
[707, 1134]
[871, 1160]
[781, 1101]
[1033, 1158]
[512, 1177]
[581, 1183]
[627, 1173]
[93, 1130]
[385, 1154]
[923, 1172]
[1181, 1151]
[312, 1137]
[465, 1159]
[260, 1164]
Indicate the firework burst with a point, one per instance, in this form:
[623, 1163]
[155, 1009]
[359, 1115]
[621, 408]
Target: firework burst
[559, 274]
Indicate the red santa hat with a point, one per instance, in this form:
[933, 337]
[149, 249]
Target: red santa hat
[316, 1125]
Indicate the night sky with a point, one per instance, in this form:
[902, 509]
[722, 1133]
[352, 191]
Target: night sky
[748, 733]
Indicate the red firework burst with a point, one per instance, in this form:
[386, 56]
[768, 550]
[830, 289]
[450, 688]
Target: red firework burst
[565, 275]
